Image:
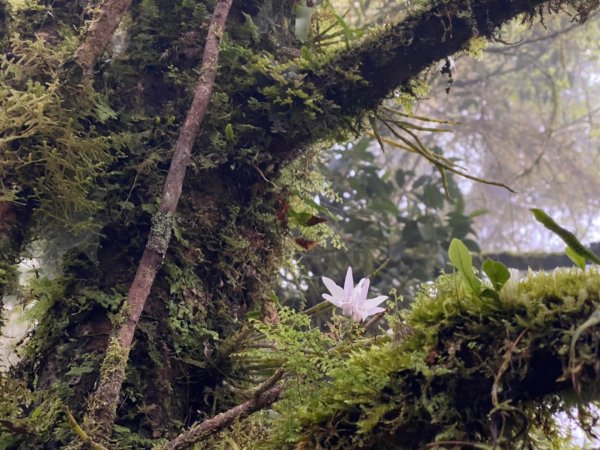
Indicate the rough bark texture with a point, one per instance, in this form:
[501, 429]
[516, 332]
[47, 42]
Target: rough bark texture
[391, 58]
[103, 404]
[100, 32]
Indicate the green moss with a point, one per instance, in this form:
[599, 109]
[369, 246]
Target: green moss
[46, 155]
[162, 225]
[115, 358]
[465, 366]
[30, 419]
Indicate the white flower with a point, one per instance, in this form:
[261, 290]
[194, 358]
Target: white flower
[353, 299]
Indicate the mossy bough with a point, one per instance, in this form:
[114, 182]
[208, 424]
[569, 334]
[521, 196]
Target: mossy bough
[470, 370]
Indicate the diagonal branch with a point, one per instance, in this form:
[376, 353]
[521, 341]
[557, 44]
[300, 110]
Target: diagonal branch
[102, 409]
[100, 32]
[263, 396]
[357, 80]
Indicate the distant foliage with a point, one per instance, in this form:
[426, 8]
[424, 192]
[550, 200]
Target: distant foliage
[399, 218]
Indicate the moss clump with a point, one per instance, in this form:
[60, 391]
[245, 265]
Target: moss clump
[461, 368]
[47, 156]
[162, 225]
[115, 357]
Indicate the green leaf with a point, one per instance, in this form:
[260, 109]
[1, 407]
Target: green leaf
[568, 237]
[229, 132]
[103, 110]
[490, 293]
[432, 197]
[478, 212]
[496, 272]
[303, 15]
[80, 370]
[577, 259]
[460, 257]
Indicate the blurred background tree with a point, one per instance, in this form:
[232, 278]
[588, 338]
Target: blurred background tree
[522, 112]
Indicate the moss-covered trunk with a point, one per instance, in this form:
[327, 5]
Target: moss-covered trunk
[227, 246]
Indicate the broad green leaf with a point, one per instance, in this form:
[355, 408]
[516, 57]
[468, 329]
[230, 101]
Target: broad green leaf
[568, 237]
[577, 259]
[79, 370]
[460, 257]
[490, 293]
[432, 197]
[496, 272]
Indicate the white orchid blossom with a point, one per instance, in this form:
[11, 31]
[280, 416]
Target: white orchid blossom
[353, 299]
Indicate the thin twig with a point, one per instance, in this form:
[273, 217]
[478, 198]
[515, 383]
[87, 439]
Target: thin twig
[264, 395]
[103, 404]
[83, 436]
[504, 366]
[460, 443]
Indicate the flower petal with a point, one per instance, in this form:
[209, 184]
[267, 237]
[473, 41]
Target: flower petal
[337, 301]
[361, 291]
[348, 283]
[335, 290]
[374, 302]
[371, 312]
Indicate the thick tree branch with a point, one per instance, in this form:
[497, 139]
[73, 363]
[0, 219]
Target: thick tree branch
[99, 34]
[357, 80]
[484, 364]
[537, 261]
[264, 396]
[104, 401]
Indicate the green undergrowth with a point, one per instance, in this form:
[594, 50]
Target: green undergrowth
[454, 367]
[49, 154]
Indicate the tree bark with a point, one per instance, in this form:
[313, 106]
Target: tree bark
[391, 58]
[264, 396]
[100, 33]
[103, 404]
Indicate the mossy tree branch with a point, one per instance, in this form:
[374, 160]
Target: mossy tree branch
[470, 370]
[357, 80]
[537, 260]
[104, 401]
